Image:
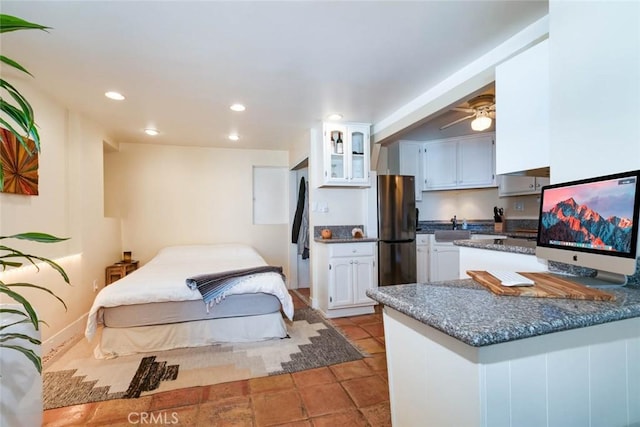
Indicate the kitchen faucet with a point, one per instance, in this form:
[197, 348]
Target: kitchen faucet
[454, 221]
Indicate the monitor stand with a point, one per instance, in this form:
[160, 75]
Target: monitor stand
[602, 279]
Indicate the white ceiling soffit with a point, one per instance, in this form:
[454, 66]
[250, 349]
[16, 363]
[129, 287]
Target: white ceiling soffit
[181, 64]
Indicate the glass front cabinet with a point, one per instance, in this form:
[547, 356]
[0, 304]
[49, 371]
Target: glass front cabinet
[346, 154]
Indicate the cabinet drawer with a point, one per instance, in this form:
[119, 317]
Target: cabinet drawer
[351, 249]
[422, 239]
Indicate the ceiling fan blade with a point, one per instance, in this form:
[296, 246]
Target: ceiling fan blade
[463, 110]
[457, 121]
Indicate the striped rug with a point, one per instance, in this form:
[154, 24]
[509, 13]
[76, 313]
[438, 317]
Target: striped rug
[76, 377]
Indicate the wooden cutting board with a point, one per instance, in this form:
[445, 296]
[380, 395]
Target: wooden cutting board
[547, 286]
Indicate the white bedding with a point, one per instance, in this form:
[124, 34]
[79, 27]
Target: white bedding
[163, 279]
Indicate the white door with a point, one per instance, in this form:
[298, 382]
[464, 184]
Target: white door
[363, 279]
[340, 282]
[475, 162]
[445, 263]
[422, 263]
[440, 165]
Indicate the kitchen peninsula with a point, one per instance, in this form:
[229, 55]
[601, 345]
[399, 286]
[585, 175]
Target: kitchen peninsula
[459, 355]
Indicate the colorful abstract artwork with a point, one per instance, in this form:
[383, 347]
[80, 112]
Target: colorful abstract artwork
[20, 166]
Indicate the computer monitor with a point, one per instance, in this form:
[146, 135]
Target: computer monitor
[592, 223]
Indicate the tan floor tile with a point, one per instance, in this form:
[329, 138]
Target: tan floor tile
[238, 414]
[348, 370]
[185, 416]
[305, 423]
[352, 418]
[119, 409]
[68, 415]
[374, 329]
[275, 408]
[377, 362]
[354, 332]
[225, 390]
[312, 377]
[176, 398]
[325, 399]
[367, 391]
[271, 383]
[370, 345]
[339, 321]
[378, 415]
[367, 318]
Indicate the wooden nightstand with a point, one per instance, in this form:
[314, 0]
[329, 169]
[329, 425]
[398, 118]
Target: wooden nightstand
[119, 270]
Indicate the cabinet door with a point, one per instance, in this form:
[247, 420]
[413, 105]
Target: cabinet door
[411, 163]
[340, 282]
[364, 278]
[440, 165]
[358, 154]
[422, 263]
[335, 154]
[516, 185]
[522, 99]
[476, 162]
[445, 263]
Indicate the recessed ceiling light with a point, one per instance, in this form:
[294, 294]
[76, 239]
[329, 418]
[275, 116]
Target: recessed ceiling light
[238, 107]
[234, 137]
[335, 116]
[151, 132]
[114, 95]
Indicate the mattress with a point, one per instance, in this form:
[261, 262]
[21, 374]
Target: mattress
[159, 313]
[163, 280]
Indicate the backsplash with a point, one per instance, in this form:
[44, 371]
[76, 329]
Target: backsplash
[511, 225]
[337, 231]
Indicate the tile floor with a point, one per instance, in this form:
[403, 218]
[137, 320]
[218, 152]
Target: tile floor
[348, 394]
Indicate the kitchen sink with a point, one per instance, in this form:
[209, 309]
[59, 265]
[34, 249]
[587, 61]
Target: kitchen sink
[451, 235]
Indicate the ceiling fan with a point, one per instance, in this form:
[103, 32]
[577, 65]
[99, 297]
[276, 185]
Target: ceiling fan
[482, 109]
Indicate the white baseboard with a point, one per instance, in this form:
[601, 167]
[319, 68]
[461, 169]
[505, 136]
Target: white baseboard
[66, 337]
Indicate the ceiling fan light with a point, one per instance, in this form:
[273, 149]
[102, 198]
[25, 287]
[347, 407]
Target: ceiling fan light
[481, 123]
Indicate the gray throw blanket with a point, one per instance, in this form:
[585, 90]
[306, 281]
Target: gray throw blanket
[213, 286]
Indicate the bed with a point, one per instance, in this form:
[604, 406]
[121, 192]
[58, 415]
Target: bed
[153, 309]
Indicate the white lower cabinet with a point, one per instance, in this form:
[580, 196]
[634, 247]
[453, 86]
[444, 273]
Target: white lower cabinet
[422, 258]
[351, 269]
[444, 262]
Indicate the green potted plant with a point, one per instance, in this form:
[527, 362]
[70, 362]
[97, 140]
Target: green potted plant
[17, 117]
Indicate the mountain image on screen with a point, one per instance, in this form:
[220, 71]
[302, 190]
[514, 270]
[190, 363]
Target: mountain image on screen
[569, 222]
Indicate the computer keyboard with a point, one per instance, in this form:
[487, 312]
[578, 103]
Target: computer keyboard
[511, 278]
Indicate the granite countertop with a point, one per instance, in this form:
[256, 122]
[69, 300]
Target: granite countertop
[518, 246]
[465, 310]
[345, 240]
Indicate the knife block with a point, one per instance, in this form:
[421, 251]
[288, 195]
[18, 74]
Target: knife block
[498, 227]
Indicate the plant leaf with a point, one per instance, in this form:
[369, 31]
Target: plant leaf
[36, 237]
[18, 336]
[33, 316]
[11, 23]
[31, 355]
[31, 285]
[14, 64]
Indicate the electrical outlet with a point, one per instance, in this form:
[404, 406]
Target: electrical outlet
[519, 206]
[95, 285]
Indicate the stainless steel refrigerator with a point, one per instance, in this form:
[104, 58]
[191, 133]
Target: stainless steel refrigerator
[396, 230]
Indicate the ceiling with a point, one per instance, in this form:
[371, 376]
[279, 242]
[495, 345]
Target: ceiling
[181, 64]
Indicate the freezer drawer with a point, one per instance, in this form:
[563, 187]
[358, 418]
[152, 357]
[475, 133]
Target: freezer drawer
[396, 263]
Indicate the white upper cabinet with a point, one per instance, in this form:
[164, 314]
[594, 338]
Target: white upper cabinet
[519, 185]
[346, 149]
[464, 162]
[411, 163]
[522, 111]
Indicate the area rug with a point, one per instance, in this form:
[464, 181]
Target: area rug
[76, 377]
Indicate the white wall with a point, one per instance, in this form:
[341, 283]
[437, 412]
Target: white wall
[595, 88]
[171, 195]
[70, 204]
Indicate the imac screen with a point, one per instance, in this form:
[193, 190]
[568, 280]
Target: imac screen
[595, 215]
